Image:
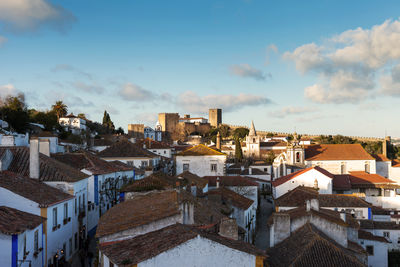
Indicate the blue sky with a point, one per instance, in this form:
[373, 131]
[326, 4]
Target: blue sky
[327, 67]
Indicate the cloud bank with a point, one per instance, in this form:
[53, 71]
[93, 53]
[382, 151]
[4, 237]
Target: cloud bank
[247, 71]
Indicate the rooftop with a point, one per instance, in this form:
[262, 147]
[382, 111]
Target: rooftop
[299, 195]
[307, 246]
[336, 152]
[360, 179]
[370, 225]
[50, 169]
[126, 149]
[140, 210]
[148, 183]
[200, 150]
[369, 236]
[380, 157]
[32, 189]
[232, 197]
[147, 246]
[14, 221]
[230, 181]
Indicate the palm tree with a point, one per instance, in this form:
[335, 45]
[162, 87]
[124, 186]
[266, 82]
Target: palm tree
[60, 109]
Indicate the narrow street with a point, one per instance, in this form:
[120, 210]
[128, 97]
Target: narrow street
[262, 234]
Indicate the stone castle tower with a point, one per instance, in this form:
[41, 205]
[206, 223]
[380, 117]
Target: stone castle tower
[215, 117]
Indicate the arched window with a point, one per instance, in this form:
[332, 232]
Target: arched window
[297, 156]
[254, 140]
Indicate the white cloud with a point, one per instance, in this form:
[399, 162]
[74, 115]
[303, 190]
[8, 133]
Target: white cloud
[7, 90]
[28, 15]
[70, 68]
[3, 40]
[133, 92]
[89, 88]
[191, 102]
[292, 110]
[245, 70]
[348, 64]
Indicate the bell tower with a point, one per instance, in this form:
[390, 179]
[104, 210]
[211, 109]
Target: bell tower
[295, 151]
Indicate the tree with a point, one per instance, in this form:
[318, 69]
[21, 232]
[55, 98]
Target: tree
[107, 122]
[60, 109]
[270, 157]
[13, 110]
[120, 130]
[238, 149]
[47, 118]
[224, 130]
[241, 132]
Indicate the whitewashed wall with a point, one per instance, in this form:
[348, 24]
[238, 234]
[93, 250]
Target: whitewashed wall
[334, 166]
[380, 257]
[201, 252]
[201, 165]
[5, 249]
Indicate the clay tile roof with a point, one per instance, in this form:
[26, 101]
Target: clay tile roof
[14, 221]
[126, 149]
[369, 224]
[361, 178]
[32, 189]
[152, 144]
[379, 211]
[232, 197]
[380, 157]
[88, 161]
[336, 152]
[138, 211]
[341, 182]
[200, 150]
[369, 236]
[192, 179]
[147, 246]
[230, 181]
[396, 163]
[284, 179]
[124, 167]
[299, 195]
[50, 169]
[45, 134]
[148, 183]
[102, 142]
[307, 246]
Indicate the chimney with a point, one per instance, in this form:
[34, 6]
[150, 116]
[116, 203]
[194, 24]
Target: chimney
[44, 146]
[242, 168]
[250, 171]
[218, 141]
[34, 158]
[314, 203]
[132, 140]
[186, 116]
[228, 228]
[281, 229]
[217, 183]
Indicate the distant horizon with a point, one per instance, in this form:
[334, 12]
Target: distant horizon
[312, 67]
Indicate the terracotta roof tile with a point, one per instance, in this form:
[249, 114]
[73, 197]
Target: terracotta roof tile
[192, 179]
[308, 246]
[299, 195]
[362, 178]
[147, 246]
[138, 211]
[50, 169]
[369, 224]
[126, 149]
[14, 221]
[336, 152]
[396, 163]
[380, 157]
[152, 144]
[284, 179]
[200, 150]
[233, 198]
[341, 182]
[32, 189]
[148, 183]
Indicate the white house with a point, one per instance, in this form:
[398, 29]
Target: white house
[377, 248]
[132, 154]
[37, 198]
[105, 179]
[48, 144]
[21, 238]
[388, 230]
[156, 147]
[335, 158]
[311, 177]
[201, 160]
[180, 245]
[73, 123]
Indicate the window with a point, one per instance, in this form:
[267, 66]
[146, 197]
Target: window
[386, 234]
[55, 217]
[213, 167]
[398, 240]
[297, 156]
[24, 245]
[186, 167]
[144, 163]
[65, 211]
[165, 152]
[36, 241]
[254, 140]
[84, 201]
[359, 214]
[370, 250]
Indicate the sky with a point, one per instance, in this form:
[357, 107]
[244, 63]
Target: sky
[317, 67]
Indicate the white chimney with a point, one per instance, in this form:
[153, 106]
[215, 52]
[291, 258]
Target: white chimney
[314, 204]
[34, 158]
[44, 147]
[308, 205]
[217, 182]
[343, 215]
[250, 171]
